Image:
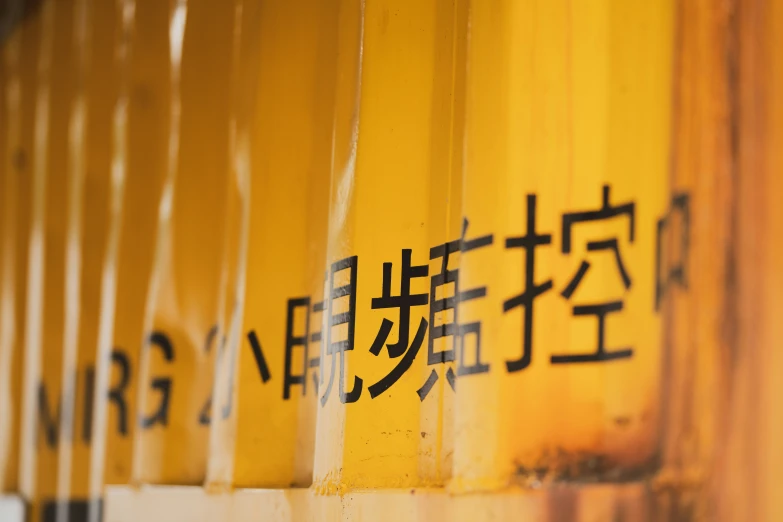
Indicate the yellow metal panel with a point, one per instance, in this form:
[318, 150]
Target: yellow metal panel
[62, 319]
[773, 256]
[749, 467]
[290, 158]
[26, 37]
[696, 262]
[7, 424]
[145, 88]
[566, 146]
[50, 179]
[94, 205]
[176, 368]
[45, 321]
[244, 60]
[322, 111]
[770, 81]
[13, 256]
[393, 219]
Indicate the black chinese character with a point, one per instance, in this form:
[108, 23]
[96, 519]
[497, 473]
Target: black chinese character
[531, 290]
[258, 355]
[316, 337]
[600, 310]
[674, 273]
[349, 318]
[458, 332]
[404, 302]
[292, 341]
[441, 279]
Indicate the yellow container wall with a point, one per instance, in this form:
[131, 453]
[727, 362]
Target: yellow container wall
[384, 260]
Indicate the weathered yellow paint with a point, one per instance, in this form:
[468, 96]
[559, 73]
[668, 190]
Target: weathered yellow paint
[322, 112]
[175, 395]
[562, 100]
[748, 475]
[263, 435]
[145, 95]
[81, 299]
[395, 178]
[26, 37]
[7, 424]
[632, 501]
[767, 120]
[94, 200]
[70, 180]
[13, 256]
[50, 222]
[772, 283]
[697, 307]
[244, 60]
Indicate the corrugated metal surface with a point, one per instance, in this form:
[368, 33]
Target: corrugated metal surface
[390, 260]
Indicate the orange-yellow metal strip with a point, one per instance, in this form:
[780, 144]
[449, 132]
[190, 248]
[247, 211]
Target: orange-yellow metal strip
[445, 224]
[13, 253]
[567, 151]
[244, 68]
[6, 280]
[45, 318]
[290, 159]
[322, 114]
[140, 149]
[22, 156]
[394, 232]
[113, 100]
[74, 171]
[695, 294]
[94, 199]
[748, 475]
[176, 368]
